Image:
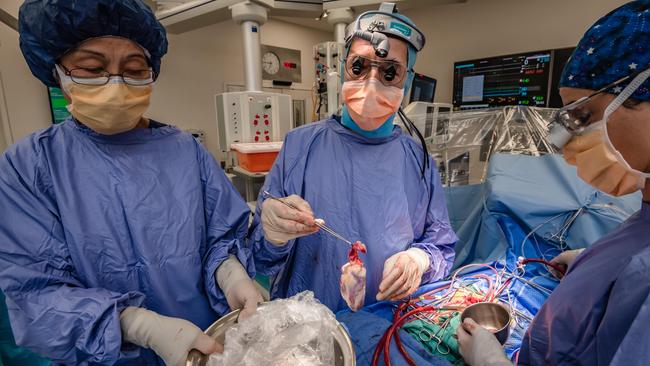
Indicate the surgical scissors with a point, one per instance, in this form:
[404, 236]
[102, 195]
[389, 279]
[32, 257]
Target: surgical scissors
[317, 223]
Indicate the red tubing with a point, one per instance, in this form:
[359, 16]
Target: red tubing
[379, 347]
[402, 350]
[543, 261]
[396, 327]
[384, 343]
[385, 340]
[398, 340]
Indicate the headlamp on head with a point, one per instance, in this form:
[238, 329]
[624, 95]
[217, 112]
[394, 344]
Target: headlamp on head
[375, 26]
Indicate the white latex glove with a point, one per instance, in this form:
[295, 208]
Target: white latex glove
[565, 259]
[478, 346]
[281, 223]
[403, 274]
[239, 289]
[170, 338]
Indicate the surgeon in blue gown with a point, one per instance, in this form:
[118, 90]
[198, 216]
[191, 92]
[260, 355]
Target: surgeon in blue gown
[121, 237]
[364, 177]
[599, 313]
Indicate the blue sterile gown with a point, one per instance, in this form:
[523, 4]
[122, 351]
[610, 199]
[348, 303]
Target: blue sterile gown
[368, 189]
[600, 312]
[93, 223]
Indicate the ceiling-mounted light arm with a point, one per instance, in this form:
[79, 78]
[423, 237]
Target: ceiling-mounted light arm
[323, 15]
[9, 20]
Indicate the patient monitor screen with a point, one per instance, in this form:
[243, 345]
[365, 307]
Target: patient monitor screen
[520, 79]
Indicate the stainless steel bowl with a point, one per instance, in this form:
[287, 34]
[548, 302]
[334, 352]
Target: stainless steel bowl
[491, 316]
[343, 350]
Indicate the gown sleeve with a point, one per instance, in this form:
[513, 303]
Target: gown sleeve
[51, 311]
[226, 215]
[438, 238]
[627, 316]
[270, 258]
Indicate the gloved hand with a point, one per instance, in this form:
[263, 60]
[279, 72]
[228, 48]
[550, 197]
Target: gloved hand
[170, 338]
[281, 223]
[239, 289]
[478, 346]
[403, 274]
[565, 259]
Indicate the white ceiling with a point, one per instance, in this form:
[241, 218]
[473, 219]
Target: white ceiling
[309, 20]
[180, 16]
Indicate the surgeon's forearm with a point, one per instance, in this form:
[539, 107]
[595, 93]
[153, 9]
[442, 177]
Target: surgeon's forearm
[440, 258]
[269, 258]
[229, 273]
[97, 337]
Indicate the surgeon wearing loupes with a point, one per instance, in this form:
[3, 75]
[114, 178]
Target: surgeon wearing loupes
[600, 311]
[364, 176]
[121, 238]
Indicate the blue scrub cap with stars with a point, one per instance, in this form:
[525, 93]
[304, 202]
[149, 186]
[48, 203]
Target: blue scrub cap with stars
[616, 46]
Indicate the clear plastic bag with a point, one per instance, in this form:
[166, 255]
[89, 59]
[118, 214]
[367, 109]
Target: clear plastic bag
[296, 331]
[463, 142]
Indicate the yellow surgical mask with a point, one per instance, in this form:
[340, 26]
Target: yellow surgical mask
[598, 161]
[601, 166]
[108, 109]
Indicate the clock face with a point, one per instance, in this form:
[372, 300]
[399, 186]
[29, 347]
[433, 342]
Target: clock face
[271, 63]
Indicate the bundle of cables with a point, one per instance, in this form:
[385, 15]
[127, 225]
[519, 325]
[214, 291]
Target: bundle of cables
[447, 301]
[412, 129]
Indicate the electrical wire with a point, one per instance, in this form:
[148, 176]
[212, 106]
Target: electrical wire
[535, 229]
[407, 126]
[314, 117]
[425, 163]
[444, 301]
[556, 267]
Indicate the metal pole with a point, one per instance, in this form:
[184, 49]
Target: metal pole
[340, 18]
[251, 16]
[339, 32]
[332, 82]
[9, 20]
[252, 55]
[5, 126]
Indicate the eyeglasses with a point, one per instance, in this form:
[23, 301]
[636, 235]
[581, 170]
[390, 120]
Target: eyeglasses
[98, 76]
[574, 117]
[391, 73]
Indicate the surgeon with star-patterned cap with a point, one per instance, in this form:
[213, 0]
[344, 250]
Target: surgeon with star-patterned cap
[599, 313]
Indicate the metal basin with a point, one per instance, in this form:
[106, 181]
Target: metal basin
[343, 350]
[491, 316]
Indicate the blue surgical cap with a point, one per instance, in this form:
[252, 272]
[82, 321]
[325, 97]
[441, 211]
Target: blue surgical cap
[616, 46]
[411, 57]
[49, 28]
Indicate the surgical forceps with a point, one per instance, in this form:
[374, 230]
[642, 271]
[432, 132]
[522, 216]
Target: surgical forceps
[317, 223]
[446, 350]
